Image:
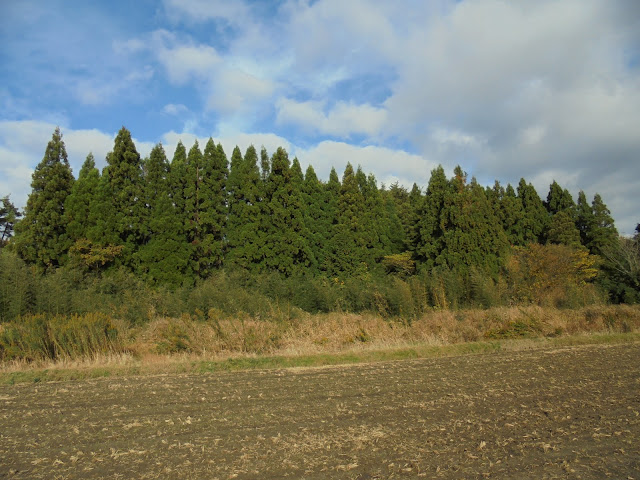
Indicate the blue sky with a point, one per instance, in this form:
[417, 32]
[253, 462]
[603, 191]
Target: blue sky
[542, 90]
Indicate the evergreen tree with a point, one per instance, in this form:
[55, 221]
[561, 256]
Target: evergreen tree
[164, 256]
[118, 218]
[601, 233]
[429, 233]
[205, 206]
[563, 230]
[584, 218]
[473, 236]
[512, 217]
[265, 164]
[245, 241]
[317, 217]
[41, 237]
[79, 203]
[296, 173]
[285, 249]
[348, 254]
[400, 215]
[214, 206]
[559, 200]
[535, 218]
[9, 215]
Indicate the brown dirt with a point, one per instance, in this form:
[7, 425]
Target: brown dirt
[567, 413]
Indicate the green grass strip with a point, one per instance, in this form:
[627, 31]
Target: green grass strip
[418, 351]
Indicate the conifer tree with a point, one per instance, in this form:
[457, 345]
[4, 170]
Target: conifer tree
[317, 217]
[79, 202]
[512, 216]
[265, 164]
[601, 233]
[285, 249]
[473, 236]
[164, 257]
[118, 214]
[214, 206]
[9, 215]
[559, 200]
[429, 233]
[347, 254]
[584, 217]
[535, 218]
[41, 237]
[401, 217]
[297, 176]
[563, 230]
[244, 196]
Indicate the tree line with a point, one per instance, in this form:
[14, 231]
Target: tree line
[175, 222]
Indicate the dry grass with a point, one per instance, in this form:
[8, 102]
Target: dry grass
[172, 343]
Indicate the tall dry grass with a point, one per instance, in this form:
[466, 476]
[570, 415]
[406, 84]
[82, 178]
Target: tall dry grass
[335, 332]
[94, 338]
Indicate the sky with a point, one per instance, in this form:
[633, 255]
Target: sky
[543, 90]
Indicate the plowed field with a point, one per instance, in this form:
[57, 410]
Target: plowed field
[565, 413]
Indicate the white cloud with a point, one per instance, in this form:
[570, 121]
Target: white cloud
[386, 164]
[174, 109]
[343, 120]
[184, 62]
[235, 90]
[197, 11]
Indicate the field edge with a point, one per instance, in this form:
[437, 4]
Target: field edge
[182, 365]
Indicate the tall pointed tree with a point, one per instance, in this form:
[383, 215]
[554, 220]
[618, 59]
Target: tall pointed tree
[559, 200]
[347, 254]
[429, 233]
[41, 237]
[285, 249]
[122, 191]
[79, 203]
[512, 217]
[244, 236]
[584, 217]
[9, 215]
[601, 233]
[164, 256]
[318, 217]
[535, 217]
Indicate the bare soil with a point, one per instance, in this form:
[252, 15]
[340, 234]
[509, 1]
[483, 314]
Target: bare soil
[564, 413]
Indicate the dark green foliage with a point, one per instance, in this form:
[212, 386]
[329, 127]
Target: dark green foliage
[559, 200]
[81, 199]
[511, 214]
[563, 230]
[9, 214]
[120, 214]
[285, 249]
[347, 255]
[601, 232]
[319, 213]
[404, 210]
[535, 218]
[473, 235]
[244, 197]
[41, 237]
[429, 233]
[147, 238]
[205, 206]
[584, 217]
[214, 208]
[164, 256]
